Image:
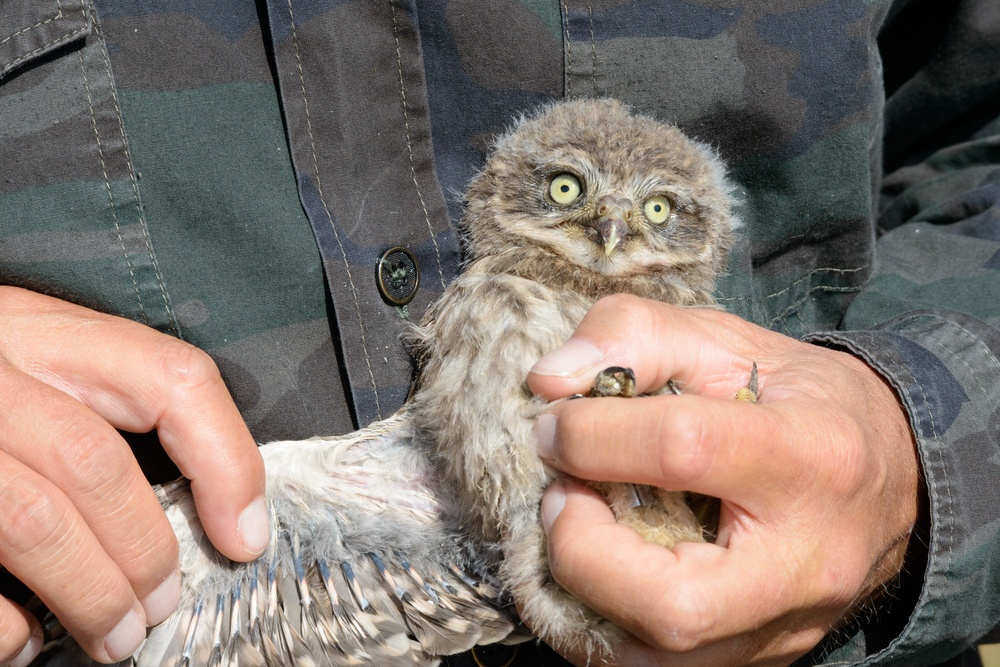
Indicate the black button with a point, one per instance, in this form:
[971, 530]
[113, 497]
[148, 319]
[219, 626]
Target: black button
[398, 276]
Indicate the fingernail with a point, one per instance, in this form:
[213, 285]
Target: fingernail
[553, 501]
[569, 359]
[125, 638]
[254, 527]
[29, 652]
[159, 604]
[545, 435]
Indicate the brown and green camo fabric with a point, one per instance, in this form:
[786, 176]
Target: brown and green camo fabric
[229, 172]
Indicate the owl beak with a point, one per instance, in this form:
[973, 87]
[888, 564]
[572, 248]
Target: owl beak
[611, 226]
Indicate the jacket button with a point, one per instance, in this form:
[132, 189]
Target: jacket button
[398, 276]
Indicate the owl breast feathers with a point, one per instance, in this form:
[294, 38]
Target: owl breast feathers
[393, 545]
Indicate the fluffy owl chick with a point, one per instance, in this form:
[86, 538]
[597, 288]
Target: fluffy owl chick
[583, 200]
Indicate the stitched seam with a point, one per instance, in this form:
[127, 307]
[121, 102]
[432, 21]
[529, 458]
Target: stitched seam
[947, 544]
[828, 288]
[107, 185]
[593, 51]
[798, 318]
[54, 17]
[568, 49]
[409, 143]
[944, 469]
[910, 381]
[143, 226]
[975, 374]
[28, 56]
[817, 288]
[794, 307]
[326, 209]
[814, 272]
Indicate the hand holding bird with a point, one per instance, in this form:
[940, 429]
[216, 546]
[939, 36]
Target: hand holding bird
[402, 542]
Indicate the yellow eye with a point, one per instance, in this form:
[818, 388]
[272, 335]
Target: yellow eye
[565, 188]
[657, 209]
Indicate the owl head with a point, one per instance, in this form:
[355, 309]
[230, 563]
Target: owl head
[588, 193]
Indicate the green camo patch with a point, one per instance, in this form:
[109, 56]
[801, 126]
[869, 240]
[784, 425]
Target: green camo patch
[214, 237]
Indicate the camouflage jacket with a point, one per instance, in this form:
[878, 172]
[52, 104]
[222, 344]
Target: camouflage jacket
[232, 172]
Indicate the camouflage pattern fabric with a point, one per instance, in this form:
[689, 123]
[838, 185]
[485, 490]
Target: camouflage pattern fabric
[230, 173]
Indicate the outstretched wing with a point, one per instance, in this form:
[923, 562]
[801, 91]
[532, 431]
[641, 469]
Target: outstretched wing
[367, 565]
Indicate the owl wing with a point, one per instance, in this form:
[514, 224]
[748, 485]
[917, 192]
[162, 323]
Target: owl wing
[366, 565]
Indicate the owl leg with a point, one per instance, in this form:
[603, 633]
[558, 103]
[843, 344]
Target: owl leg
[707, 508]
[659, 516]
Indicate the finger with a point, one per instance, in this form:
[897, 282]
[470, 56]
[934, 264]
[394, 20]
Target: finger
[46, 544]
[696, 347]
[714, 446]
[677, 600]
[20, 635]
[86, 459]
[139, 379]
[778, 649]
[205, 435]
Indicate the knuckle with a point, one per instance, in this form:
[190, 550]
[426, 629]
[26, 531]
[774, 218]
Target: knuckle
[32, 517]
[846, 468]
[837, 588]
[89, 597]
[184, 365]
[154, 559]
[684, 622]
[86, 454]
[687, 450]
[573, 428]
[18, 397]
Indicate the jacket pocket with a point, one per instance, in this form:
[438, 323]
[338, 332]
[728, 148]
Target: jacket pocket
[71, 219]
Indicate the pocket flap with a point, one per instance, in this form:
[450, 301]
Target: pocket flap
[30, 28]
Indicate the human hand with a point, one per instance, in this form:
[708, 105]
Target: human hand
[79, 524]
[818, 482]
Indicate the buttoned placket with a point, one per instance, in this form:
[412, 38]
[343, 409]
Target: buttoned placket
[355, 104]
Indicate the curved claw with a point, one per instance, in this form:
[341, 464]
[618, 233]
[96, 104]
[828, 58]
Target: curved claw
[749, 393]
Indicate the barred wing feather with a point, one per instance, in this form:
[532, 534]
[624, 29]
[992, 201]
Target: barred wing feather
[367, 566]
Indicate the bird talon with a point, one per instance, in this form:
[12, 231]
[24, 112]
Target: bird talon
[749, 393]
[614, 381]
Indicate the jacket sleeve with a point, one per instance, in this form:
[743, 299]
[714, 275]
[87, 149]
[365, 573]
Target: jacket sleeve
[945, 367]
[929, 321]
